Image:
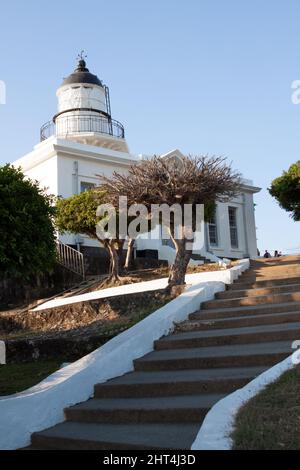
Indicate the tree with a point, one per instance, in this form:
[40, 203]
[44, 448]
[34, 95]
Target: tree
[286, 190]
[27, 236]
[192, 180]
[77, 214]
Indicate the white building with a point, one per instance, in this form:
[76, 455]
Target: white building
[83, 141]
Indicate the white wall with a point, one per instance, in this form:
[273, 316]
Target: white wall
[245, 227]
[250, 224]
[72, 170]
[88, 169]
[46, 174]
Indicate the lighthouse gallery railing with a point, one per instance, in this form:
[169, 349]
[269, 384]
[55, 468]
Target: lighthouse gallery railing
[74, 124]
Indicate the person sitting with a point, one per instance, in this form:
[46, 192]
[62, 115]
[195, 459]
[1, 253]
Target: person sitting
[267, 254]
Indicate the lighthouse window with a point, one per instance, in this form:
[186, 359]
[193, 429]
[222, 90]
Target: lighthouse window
[233, 227]
[213, 230]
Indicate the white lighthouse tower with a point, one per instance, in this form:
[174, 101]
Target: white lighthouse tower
[84, 112]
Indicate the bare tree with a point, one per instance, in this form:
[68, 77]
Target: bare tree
[190, 180]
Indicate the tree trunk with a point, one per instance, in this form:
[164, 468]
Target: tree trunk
[112, 247]
[129, 253]
[179, 267]
[114, 261]
[119, 247]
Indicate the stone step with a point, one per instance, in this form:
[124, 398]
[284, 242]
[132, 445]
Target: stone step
[233, 322]
[181, 382]
[273, 268]
[260, 354]
[262, 279]
[245, 301]
[183, 408]
[273, 271]
[270, 277]
[242, 285]
[248, 310]
[235, 294]
[102, 436]
[228, 336]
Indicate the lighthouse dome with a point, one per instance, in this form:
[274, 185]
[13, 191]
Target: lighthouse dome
[82, 75]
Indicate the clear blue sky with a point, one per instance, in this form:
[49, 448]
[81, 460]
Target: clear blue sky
[204, 76]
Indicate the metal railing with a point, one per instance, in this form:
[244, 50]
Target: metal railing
[70, 258]
[74, 124]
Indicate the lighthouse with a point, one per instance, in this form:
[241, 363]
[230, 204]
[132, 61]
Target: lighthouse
[84, 112]
[83, 141]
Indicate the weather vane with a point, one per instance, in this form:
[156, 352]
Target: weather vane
[82, 55]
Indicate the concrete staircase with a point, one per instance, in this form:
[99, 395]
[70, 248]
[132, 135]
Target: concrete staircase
[220, 348]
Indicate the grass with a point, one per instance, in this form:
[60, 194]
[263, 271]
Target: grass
[22, 334]
[271, 420]
[18, 377]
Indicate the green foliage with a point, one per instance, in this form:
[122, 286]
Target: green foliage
[15, 378]
[209, 211]
[286, 190]
[27, 239]
[77, 214]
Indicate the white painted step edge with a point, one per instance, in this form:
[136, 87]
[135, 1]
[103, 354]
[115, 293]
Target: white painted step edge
[218, 424]
[41, 407]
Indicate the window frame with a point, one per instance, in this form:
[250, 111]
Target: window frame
[233, 227]
[89, 184]
[213, 225]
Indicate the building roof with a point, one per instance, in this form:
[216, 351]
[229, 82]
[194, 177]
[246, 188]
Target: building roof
[82, 75]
